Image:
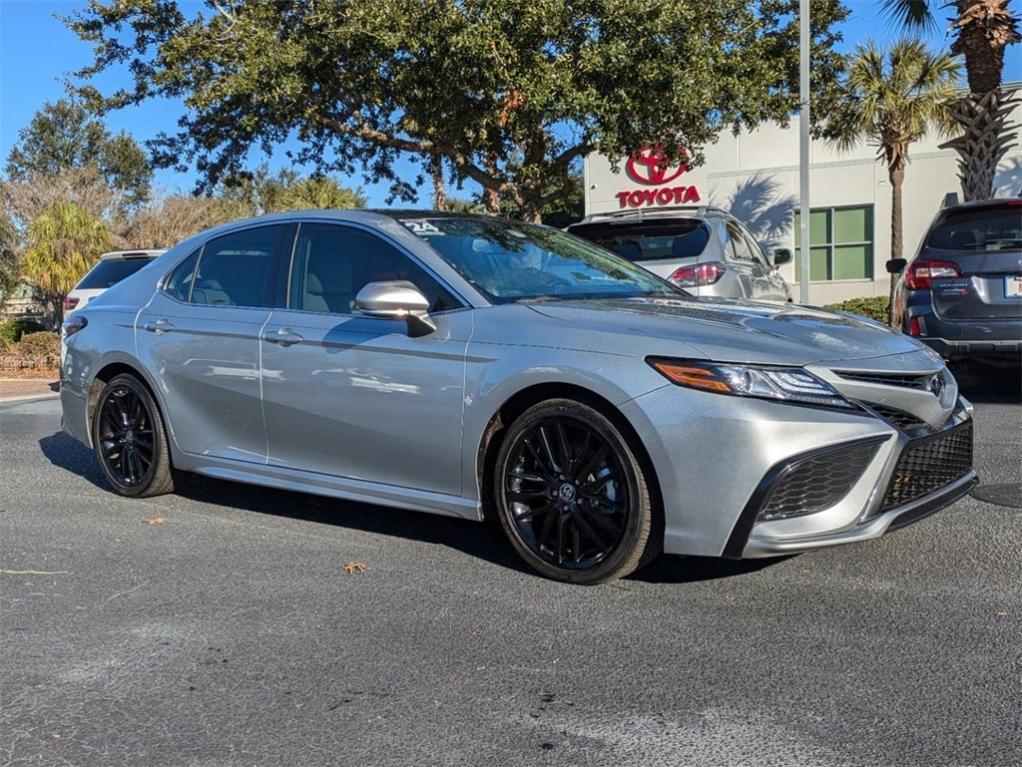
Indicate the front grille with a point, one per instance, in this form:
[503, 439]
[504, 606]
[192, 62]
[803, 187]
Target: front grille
[898, 418]
[928, 464]
[817, 481]
[905, 380]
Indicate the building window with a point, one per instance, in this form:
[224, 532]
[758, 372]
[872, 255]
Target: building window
[841, 244]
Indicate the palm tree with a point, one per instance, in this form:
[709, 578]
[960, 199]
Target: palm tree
[64, 241]
[894, 97]
[319, 193]
[982, 29]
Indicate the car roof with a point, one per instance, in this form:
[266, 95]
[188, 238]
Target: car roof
[641, 214]
[995, 202]
[121, 255]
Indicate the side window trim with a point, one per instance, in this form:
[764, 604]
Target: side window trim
[397, 246]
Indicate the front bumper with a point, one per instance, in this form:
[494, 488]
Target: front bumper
[917, 476]
[716, 457]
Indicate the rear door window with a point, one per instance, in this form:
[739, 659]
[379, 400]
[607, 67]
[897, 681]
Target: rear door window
[237, 269]
[649, 240]
[979, 229]
[106, 274]
[738, 245]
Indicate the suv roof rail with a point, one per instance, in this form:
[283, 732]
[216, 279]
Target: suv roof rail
[950, 200]
[641, 213]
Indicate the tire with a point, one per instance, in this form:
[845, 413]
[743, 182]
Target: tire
[574, 513]
[130, 439]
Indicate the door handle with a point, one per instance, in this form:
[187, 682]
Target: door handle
[283, 337]
[159, 327]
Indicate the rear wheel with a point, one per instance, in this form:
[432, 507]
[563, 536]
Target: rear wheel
[130, 439]
[572, 496]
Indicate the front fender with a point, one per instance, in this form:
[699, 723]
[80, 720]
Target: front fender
[495, 373]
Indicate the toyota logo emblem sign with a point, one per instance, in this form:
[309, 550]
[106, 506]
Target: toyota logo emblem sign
[649, 167]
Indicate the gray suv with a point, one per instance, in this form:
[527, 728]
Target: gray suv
[703, 249]
[962, 293]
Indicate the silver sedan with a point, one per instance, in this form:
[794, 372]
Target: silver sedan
[479, 368]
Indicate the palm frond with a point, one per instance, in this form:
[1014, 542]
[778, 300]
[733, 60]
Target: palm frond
[910, 15]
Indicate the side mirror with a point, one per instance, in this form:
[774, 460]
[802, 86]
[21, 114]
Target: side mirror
[396, 300]
[781, 256]
[895, 265]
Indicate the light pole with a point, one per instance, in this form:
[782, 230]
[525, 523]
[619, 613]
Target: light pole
[803, 148]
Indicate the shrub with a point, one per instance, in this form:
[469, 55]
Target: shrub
[5, 345]
[874, 307]
[13, 330]
[39, 344]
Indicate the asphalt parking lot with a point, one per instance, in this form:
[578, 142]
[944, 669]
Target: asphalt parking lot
[229, 633]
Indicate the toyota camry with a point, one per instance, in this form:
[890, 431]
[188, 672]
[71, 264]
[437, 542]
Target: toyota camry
[485, 368]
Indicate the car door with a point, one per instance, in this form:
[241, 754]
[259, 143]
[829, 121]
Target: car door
[199, 336]
[355, 396]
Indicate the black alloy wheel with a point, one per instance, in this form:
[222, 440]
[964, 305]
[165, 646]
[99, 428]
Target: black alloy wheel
[571, 494]
[130, 440]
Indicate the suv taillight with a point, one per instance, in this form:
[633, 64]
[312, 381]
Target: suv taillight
[70, 303]
[923, 272]
[698, 274]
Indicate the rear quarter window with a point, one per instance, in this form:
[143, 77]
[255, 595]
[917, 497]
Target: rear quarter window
[649, 241]
[106, 274]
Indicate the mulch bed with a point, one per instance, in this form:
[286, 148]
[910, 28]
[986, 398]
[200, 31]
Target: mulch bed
[18, 366]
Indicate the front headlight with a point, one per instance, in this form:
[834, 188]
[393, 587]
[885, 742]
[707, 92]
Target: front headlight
[775, 383]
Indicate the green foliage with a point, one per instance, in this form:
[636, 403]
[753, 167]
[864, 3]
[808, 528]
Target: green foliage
[319, 193]
[39, 344]
[63, 244]
[509, 94]
[259, 192]
[894, 96]
[874, 307]
[63, 136]
[5, 345]
[12, 330]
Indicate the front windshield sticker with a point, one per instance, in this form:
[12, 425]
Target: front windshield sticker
[421, 227]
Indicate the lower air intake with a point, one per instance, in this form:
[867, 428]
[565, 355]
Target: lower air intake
[817, 481]
[929, 464]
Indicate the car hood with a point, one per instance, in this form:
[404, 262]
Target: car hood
[733, 330]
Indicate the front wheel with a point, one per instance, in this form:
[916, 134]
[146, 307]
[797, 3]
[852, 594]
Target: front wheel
[130, 439]
[572, 495]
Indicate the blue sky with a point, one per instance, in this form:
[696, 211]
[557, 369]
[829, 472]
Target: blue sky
[37, 51]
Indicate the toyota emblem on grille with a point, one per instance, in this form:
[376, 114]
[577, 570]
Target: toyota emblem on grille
[937, 384]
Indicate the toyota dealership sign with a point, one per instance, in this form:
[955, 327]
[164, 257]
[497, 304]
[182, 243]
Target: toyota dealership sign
[658, 181]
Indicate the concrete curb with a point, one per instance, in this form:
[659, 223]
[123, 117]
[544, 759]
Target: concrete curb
[28, 398]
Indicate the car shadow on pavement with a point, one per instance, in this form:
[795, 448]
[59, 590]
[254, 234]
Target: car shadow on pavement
[989, 384]
[484, 541]
[65, 452]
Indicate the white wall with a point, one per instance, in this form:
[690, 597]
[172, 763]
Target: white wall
[755, 176]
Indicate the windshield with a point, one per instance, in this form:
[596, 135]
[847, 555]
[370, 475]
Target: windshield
[510, 261]
[993, 228]
[649, 241]
[106, 274]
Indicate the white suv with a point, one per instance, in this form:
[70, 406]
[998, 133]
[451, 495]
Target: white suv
[111, 269]
[703, 249]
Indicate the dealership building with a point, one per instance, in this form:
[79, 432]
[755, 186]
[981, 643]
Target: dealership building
[754, 175]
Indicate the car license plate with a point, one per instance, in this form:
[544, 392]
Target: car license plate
[1013, 286]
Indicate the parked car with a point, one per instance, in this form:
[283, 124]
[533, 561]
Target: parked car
[108, 271]
[962, 292]
[705, 250]
[472, 366]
